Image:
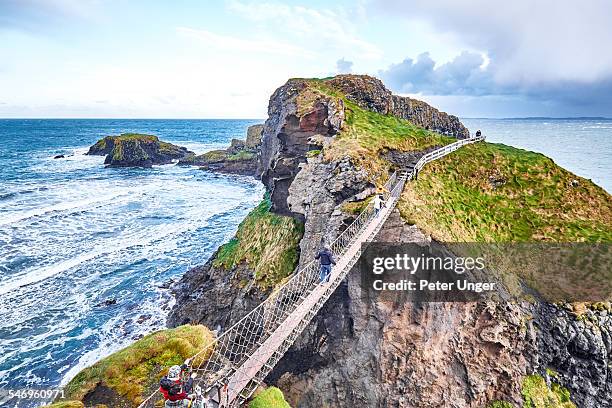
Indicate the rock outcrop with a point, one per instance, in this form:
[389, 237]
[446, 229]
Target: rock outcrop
[370, 93]
[242, 157]
[366, 352]
[213, 296]
[136, 150]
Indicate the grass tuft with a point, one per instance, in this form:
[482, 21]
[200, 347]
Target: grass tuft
[536, 394]
[271, 397]
[134, 371]
[267, 242]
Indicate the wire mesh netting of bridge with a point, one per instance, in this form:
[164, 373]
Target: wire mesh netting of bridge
[230, 368]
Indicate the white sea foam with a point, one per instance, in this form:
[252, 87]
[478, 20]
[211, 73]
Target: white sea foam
[41, 274]
[118, 234]
[61, 206]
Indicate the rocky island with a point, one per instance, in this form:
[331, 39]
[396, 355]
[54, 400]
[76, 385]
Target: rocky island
[242, 157]
[136, 150]
[326, 146]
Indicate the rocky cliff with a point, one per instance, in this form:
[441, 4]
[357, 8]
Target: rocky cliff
[370, 93]
[242, 157]
[327, 145]
[368, 353]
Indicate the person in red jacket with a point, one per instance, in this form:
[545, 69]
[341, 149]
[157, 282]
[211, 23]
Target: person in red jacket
[175, 390]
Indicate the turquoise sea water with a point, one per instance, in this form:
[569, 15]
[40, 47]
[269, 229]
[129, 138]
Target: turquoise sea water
[74, 234]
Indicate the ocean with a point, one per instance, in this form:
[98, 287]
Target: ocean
[87, 252]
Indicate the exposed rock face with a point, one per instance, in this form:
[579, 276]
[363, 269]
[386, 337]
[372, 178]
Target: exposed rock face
[287, 138]
[242, 157]
[422, 114]
[214, 296]
[253, 138]
[578, 350]
[370, 93]
[136, 150]
[365, 352]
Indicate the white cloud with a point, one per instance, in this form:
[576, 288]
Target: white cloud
[325, 29]
[231, 43]
[528, 41]
[343, 66]
[552, 52]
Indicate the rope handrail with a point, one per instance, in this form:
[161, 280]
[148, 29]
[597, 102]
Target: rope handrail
[245, 352]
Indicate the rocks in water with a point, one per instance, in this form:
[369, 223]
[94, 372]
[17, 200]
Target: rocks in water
[107, 302]
[253, 139]
[136, 150]
[167, 284]
[242, 157]
[59, 156]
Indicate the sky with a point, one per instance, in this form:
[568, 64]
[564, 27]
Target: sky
[223, 59]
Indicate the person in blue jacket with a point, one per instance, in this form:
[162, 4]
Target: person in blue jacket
[326, 258]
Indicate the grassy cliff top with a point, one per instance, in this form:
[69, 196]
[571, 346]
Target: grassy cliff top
[488, 192]
[496, 193]
[128, 376]
[267, 242]
[135, 136]
[365, 134]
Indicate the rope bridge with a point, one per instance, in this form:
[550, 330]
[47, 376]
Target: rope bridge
[230, 368]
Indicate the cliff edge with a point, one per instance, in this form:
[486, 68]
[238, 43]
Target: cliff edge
[327, 145]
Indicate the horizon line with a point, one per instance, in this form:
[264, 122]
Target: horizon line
[221, 118]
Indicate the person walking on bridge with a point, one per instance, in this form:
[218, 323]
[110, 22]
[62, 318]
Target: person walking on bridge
[326, 259]
[378, 203]
[175, 389]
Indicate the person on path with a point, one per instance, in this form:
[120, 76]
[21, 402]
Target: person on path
[175, 389]
[326, 260]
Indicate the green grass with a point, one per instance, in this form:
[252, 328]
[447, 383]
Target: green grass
[356, 207]
[313, 153]
[215, 156]
[267, 242]
[536, 394]
[500, 404]
[210, 157]
[366, 135]
[136, 136]
[103, 143]
[67, 404]
[271, 397]
[135, 371]
[495, 193]
[242, 156]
